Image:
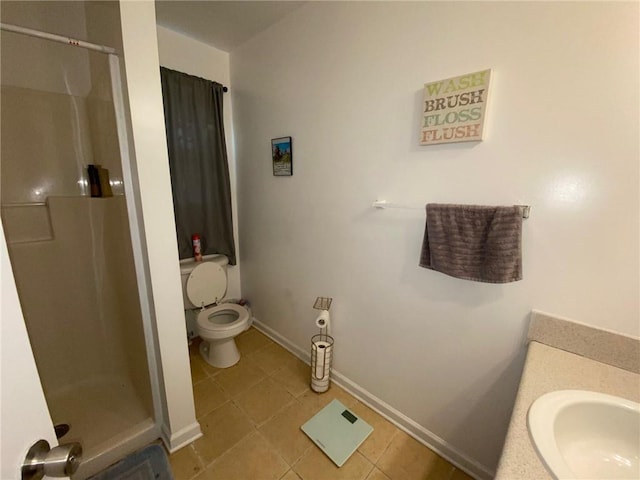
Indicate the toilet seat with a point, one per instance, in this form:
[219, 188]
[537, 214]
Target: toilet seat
[222, 321]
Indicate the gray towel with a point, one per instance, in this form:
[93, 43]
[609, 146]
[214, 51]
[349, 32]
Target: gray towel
[473, 242]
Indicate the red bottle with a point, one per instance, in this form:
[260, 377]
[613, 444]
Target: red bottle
[197, 252]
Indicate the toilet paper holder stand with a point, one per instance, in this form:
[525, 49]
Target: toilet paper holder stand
[321, 360]
[321, 350]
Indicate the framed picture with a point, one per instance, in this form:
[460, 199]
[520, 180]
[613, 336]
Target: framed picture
[282, 154]
[454, 109]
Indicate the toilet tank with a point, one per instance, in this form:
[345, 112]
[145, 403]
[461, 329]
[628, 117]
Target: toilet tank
[188, 264]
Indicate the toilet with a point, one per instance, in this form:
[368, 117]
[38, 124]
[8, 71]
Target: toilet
[204, 285]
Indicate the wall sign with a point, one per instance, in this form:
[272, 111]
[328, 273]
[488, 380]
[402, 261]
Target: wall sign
[454, 109]
[282, 156]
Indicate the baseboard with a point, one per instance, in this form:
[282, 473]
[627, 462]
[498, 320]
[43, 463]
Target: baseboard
[404, 423]
[174, 441]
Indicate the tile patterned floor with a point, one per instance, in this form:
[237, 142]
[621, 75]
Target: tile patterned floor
[251, 415]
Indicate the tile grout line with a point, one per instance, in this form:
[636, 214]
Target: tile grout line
[231, 399]
[199, 458]
[277, 452]
[395, 434]
[228, 450]
[296, 398]
[258, 425]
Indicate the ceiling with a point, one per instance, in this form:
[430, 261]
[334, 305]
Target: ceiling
[224, 25]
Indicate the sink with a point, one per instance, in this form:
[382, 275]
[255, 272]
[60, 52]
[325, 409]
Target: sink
[586, 435]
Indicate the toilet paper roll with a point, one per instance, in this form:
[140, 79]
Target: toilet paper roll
[321, 359]
[323, 319]
[320, 386]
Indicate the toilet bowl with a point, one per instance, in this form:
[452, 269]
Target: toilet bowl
[218, 326]
[217, 323]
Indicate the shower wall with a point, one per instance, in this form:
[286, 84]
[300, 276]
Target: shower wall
[71, 254]
[60, 94]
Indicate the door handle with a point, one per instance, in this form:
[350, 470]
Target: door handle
[60, 461]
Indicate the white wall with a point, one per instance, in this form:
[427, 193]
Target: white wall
[55, 80]
[184, 54]
[345, 79]
[61, 83]
[40, 65]
[144, 93]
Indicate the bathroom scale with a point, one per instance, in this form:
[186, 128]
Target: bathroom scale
[337, 431]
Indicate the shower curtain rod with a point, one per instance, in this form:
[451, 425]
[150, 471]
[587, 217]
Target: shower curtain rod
[61, 39]
[56, 38]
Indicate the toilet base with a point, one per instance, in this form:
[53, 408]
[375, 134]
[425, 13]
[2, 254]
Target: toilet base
[220, 353]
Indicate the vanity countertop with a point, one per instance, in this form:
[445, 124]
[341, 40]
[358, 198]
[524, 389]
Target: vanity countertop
[547, 369]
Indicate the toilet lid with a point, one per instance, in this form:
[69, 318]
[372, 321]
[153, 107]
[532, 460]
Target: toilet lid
[206, 284]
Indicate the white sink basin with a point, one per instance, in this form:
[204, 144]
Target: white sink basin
[586, 435]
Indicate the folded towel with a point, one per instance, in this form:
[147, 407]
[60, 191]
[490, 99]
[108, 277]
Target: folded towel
[473, 242]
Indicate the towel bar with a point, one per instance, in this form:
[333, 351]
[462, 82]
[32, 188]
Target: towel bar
[382, 204]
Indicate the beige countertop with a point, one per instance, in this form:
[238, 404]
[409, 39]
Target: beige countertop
[547, 369]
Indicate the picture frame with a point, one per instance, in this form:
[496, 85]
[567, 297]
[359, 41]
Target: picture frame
[282, 156]
[454, 109]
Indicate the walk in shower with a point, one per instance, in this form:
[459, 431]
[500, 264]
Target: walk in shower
[72, 253]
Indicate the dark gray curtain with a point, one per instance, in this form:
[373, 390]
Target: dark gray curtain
[198, 162]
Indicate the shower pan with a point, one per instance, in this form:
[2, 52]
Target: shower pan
[76, 258]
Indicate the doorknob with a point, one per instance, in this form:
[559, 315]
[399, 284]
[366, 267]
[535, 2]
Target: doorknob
[60, 461]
